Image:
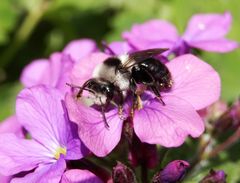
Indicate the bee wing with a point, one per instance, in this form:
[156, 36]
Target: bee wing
[139, 56]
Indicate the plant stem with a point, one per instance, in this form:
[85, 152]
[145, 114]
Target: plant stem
[144, 172]
[228, 143]
[24, 32]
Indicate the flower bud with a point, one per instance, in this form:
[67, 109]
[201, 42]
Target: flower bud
[214, 177]
[229, 119]
[173, 172]
[122, 174]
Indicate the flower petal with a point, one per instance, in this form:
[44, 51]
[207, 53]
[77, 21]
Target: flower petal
[40, 110]
[83, 70]
[167, 125]
[18, 155]
[152, 34]
[78, 49]
[204, 27]
[79, 176]
[5, 179]
[60, 67]
[120, 47]
[34, 72]
[220, 45]
[11, 125]
[76, 150]
[91, 128]
[194, 81]
[45, 173]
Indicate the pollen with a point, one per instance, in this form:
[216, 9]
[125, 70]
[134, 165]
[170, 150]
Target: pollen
[59, 151]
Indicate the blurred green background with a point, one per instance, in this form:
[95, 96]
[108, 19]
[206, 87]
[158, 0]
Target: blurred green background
[31, 29]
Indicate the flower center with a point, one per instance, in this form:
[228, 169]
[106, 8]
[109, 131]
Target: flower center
[60, 150]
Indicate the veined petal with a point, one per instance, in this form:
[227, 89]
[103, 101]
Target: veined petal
[78, 49]
[18, 155]
[167, 125]
[91, 127]
[83, 70]
[204, 27]
[80, 176]
[39, 109]
[194, 81]
[35, 72]
[76, 149]
[219, 45]
[49, 173]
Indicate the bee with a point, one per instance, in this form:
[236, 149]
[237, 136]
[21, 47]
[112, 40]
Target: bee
[140, 67]
[118, 75]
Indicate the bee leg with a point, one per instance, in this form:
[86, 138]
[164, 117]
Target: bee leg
[84, 86]
[139, 102]
[120, 105]
[157, 93]
[103, 106]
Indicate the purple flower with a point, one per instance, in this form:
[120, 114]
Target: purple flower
[196, 85]
[79, 176]
[55, 71]
[204, 31]
[173, 172]
[41, 112]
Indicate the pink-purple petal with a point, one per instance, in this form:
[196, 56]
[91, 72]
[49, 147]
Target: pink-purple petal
[40, 111]
[167, 125]
[5, 179]
[220, 45]
[120, 47]
[61, 66]
[80, 176]
[78, 49]
[34, 73]
[194, 81]
[152, 34]
[18, 154]
[203, 27]
[11, 125]
[76, 150]
[48, 173]
[83, 70]
[91, 127]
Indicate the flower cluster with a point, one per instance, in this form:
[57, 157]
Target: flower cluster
[53, 130]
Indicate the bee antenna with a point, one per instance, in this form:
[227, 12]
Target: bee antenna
[105, 46]
[79, 87]
[73, 86]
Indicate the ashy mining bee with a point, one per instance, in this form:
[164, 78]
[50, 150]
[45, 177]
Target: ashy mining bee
[118, 75]
[140, 67]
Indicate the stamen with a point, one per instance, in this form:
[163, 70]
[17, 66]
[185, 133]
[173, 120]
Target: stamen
[59, 151]
[139, 103]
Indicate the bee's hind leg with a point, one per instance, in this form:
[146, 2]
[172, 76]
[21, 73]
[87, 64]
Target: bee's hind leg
[157, 93]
